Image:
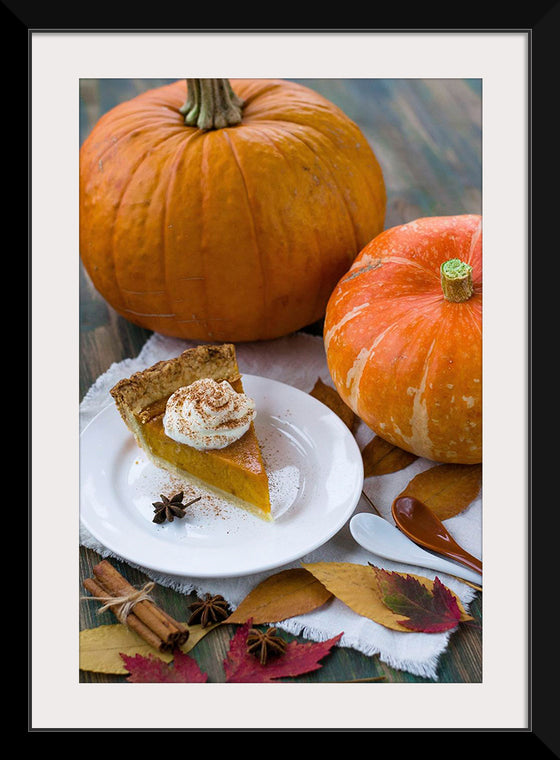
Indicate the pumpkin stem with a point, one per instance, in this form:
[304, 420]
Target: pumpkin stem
[211, 104]
[456, 280]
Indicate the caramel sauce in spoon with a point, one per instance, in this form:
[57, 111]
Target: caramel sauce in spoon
[422, 526]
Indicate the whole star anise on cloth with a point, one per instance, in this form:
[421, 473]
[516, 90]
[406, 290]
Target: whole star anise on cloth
[211, 609]
[265, 644]
[168, 509]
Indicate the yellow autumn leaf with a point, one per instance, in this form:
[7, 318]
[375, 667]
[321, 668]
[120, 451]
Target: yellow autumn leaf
[100, 647]
[357, 586]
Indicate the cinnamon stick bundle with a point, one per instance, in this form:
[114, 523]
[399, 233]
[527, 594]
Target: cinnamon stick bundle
[148, 620]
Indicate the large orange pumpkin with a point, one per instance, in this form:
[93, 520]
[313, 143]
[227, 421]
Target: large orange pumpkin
[403, 336]
[228, 217]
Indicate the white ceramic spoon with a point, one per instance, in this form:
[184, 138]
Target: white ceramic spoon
[378, 536]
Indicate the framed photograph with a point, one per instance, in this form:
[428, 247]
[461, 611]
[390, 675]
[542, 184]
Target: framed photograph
[280, 402]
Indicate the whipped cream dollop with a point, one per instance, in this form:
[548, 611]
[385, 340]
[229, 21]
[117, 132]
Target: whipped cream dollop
[208, 414]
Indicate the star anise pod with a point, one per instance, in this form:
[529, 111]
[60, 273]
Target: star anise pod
[265, 644]
[168, 509]
[211, 609]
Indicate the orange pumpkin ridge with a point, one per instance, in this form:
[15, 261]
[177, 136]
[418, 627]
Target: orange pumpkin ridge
[407, 360]
[231, 234]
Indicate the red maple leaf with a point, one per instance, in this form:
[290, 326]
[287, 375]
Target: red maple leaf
[151, 669]
[428, 610]
[242, 667]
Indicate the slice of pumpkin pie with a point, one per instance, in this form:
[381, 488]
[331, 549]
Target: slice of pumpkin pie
[191, 416]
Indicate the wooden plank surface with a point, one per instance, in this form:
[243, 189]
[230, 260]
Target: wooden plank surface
[427, 137]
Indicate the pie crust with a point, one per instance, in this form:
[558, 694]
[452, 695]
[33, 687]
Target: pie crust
[235, 472]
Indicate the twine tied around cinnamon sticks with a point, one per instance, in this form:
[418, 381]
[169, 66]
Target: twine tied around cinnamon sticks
[121, 606]
[135, 608]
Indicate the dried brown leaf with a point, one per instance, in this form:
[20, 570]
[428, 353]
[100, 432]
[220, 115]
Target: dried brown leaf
[283, 595]
[446, 489]
[380, 457]
[357, 586]
[329, 396]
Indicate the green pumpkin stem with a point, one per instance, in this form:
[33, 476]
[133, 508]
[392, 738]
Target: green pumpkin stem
[211, 104]
[456, 280]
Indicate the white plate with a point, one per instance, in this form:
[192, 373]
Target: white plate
[315, 472]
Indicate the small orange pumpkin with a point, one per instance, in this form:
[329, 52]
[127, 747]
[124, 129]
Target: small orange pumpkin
[403, 336]
[228, 217]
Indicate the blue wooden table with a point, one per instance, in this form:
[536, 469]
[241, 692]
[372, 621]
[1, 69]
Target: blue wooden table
[427, 137]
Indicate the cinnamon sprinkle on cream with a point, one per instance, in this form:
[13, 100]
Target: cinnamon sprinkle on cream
[208, 414]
